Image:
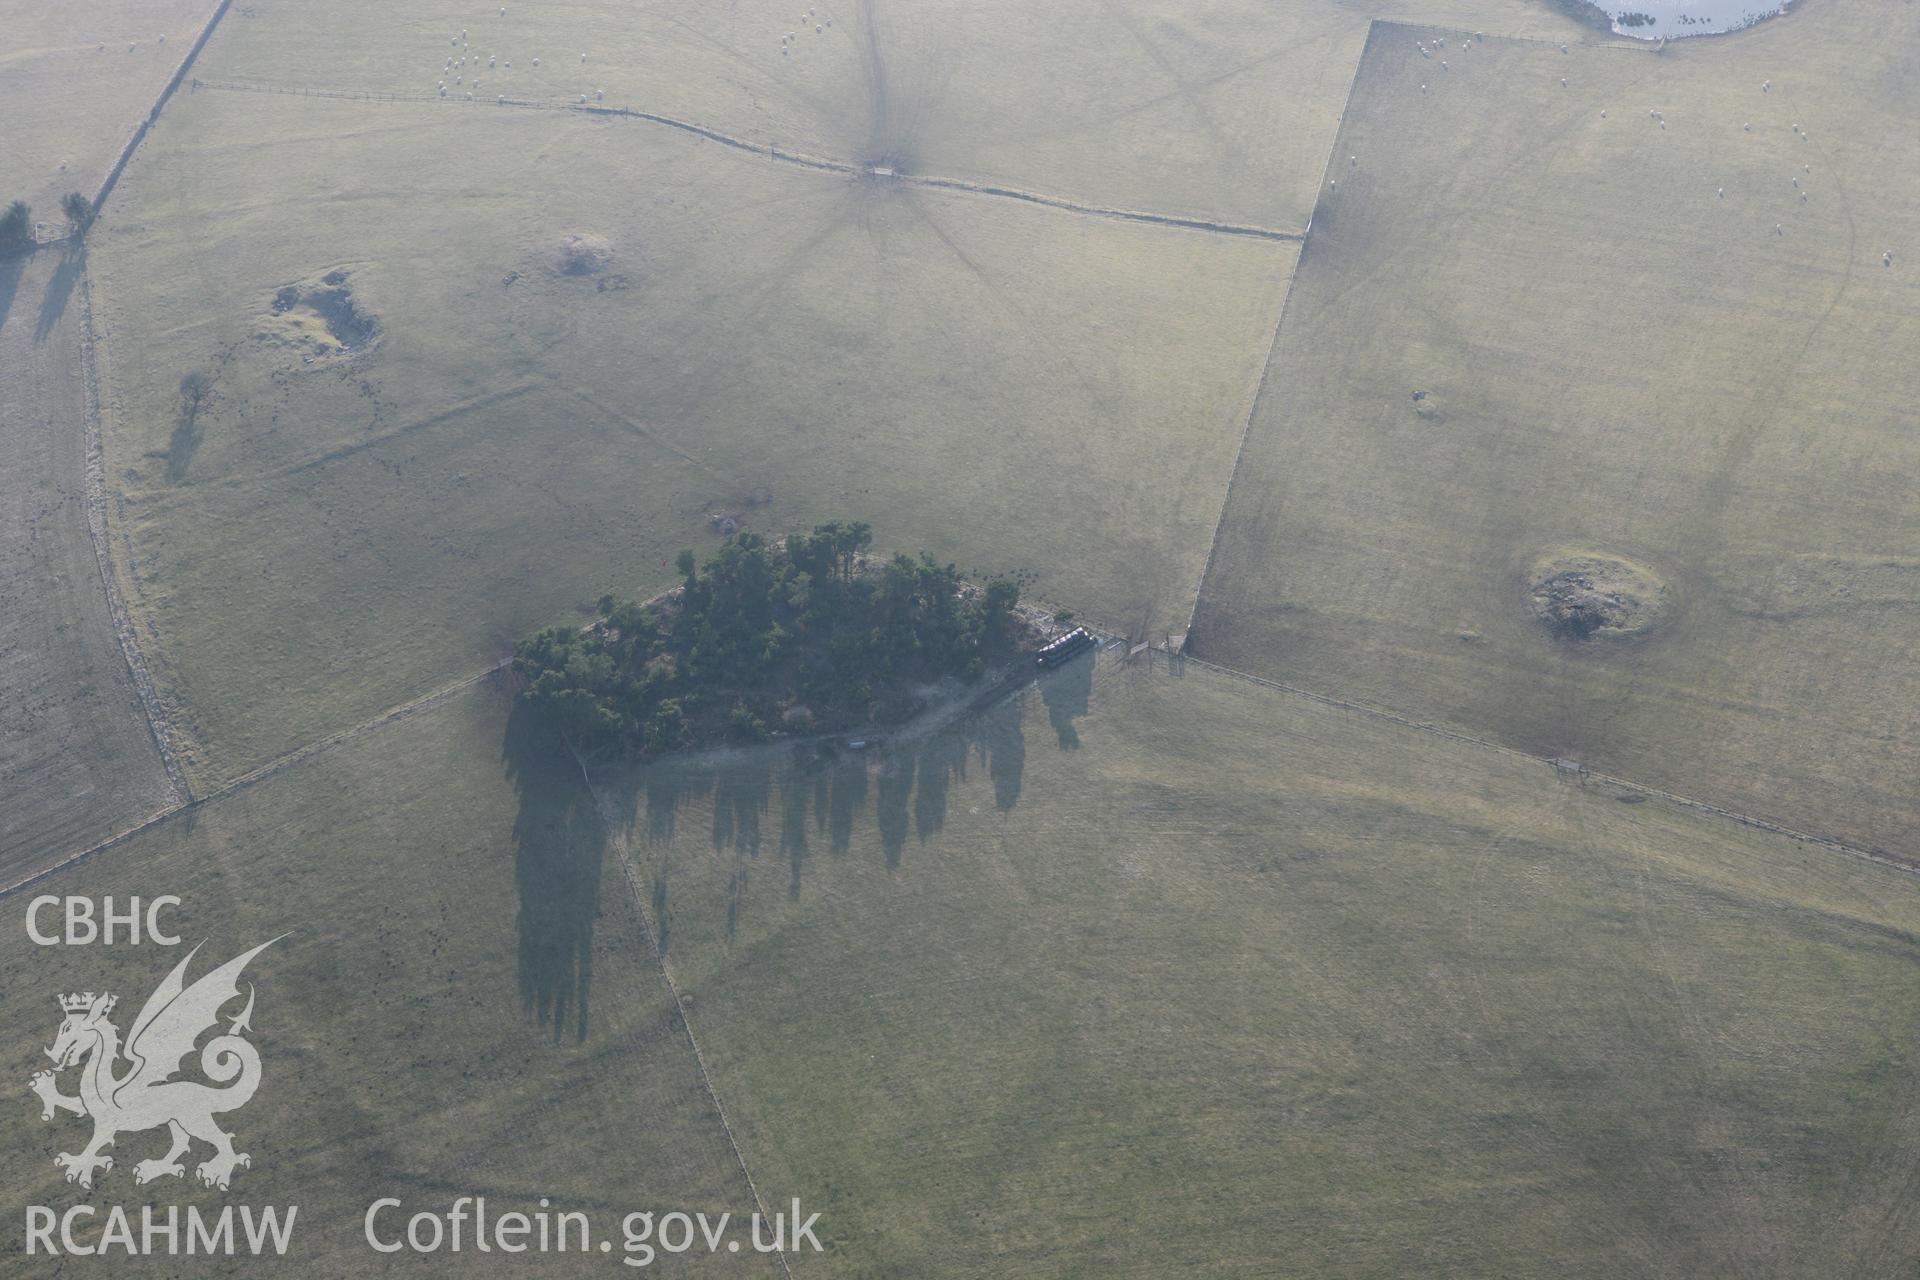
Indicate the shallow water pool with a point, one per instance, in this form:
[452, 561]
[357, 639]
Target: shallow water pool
[1672, 19]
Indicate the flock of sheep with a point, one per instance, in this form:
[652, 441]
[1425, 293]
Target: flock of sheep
[811, 18]
[457, 67]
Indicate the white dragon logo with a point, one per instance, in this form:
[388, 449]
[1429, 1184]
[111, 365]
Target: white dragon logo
[146, 1096]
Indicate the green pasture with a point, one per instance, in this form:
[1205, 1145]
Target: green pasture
[464, 1005]
[1006, 386]
[1155, 973]
[1636, 338]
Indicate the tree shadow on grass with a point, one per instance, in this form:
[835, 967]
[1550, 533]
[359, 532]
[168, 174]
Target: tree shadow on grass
[11, 267]
[560, 848]
[181, 446]
[53, 304]
[797, 794]
[1067, 693]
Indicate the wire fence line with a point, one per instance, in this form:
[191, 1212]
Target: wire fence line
[773, 151]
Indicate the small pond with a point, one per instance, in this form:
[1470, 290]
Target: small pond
[1672, 19]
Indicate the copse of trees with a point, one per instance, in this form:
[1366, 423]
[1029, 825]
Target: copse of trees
[805, 634]
[79, 212]
[16, 227]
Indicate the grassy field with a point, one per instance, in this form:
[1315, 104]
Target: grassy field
[1221, 109]
[465, 1005]
[761, 340]
[76, 760]
[1148, 971]
[1240, 984]
[1637, 339]
[75, 79]
[1142, 971]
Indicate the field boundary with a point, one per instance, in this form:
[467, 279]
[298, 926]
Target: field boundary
[96, 505]
[153, 112]
[405, 710]
[823, 164]
[1279, 324]
[650, 934]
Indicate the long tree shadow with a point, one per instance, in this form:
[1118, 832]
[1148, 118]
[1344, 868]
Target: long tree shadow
[53, 304]
[560, 848]
[1067, 693]
[12, 265]
[799, 794]
[181, 446]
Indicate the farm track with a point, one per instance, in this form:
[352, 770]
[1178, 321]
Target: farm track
[823, 164]
[96, 504]
[1585, 775]
[95, 490]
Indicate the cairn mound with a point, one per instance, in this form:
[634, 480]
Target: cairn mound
[319, 317]
[1582, 597]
